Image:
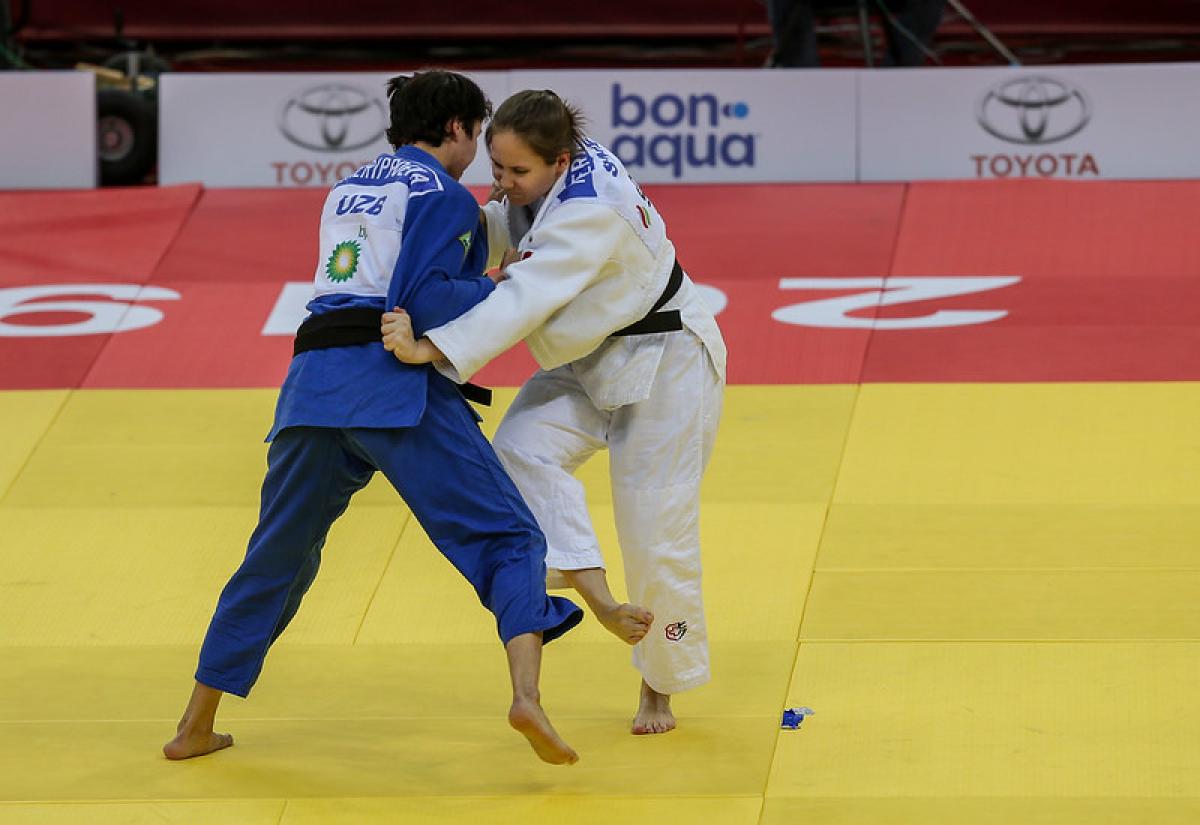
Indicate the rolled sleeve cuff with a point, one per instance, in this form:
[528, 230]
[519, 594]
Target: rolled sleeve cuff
[458, 364]
[447, 369]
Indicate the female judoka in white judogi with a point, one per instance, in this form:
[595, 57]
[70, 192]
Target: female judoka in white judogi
[594, 259]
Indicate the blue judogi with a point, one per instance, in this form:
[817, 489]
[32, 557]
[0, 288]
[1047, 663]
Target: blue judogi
[398, 232]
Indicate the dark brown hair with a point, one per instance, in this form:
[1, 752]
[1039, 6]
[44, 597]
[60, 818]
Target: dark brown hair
[422, 105]
[543, 120]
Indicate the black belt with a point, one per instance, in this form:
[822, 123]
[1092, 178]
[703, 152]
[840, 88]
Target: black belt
[656, 321]
[359, 325]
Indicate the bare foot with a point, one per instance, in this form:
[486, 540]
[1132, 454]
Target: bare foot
[528, 718]
[194, 734]
[196, 743]
[654, 712]
[627, 622]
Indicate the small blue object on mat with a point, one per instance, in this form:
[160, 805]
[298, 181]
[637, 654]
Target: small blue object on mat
[792, 717]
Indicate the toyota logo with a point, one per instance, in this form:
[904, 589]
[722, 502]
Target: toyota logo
[333, 118]
[1033, 110]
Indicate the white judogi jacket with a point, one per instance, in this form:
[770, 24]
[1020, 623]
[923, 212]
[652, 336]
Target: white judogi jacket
[595, 259]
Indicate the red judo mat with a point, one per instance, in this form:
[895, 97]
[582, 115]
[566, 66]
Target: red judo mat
[181, 287]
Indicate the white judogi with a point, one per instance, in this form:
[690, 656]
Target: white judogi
[595, 259]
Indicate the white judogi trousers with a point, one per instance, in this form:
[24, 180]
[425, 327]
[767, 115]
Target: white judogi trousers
[658, 449]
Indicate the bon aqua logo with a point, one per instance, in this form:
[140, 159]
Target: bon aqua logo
[679, 132]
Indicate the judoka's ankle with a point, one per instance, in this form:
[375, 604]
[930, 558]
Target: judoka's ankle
[526, 694]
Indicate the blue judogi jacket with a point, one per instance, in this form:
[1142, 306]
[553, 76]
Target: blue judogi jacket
[400, 231]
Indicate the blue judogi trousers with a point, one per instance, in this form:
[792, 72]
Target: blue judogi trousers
[447, 473]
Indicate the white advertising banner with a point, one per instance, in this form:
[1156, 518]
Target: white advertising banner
[712, 126]
[1085, 122]
[48, 132]
[282, 130]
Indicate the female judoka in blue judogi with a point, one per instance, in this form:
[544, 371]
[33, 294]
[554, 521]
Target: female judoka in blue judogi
[399, 231]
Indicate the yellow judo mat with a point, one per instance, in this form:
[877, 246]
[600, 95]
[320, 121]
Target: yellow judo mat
[988, 594]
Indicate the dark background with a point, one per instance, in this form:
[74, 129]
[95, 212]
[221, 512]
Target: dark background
[373, 34]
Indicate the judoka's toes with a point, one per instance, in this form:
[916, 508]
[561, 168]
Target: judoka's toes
[650, 726]
[627, 622]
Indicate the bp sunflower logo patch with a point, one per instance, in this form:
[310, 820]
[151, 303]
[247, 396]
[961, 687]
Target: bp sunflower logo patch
[343, 263]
